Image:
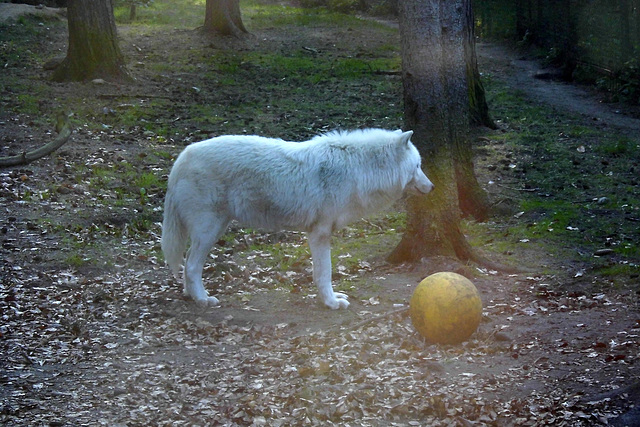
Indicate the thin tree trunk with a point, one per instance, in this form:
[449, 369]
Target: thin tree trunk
[569, 44]
[472, 198]
[522, 23]
[224, 17]
[93, 45]
[477, 99]
[626, 13]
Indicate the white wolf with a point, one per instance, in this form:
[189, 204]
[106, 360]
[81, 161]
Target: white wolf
[315, 186]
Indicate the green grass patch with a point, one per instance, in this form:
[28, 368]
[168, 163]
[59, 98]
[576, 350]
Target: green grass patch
[583, 190]
[28, 103]
[255, 14]
[299, 66]
[266, 14]
[315, 90]
[164, 13]
[625, 270]
[618, 146]
[23, 42]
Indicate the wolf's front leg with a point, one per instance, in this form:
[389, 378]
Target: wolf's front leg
[320, 245]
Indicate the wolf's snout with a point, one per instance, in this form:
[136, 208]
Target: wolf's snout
[422, 184]
[420, 187]
[425, 188]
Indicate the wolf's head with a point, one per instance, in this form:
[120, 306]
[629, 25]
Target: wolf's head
[418, 183]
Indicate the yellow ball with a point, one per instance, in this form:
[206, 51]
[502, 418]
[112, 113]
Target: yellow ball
[446, 308]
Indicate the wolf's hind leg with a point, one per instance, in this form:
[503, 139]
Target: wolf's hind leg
[320, 245]
[204, 235]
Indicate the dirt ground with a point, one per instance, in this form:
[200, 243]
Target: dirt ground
[122, 347]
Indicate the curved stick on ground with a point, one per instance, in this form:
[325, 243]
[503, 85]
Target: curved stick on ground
[64, 129]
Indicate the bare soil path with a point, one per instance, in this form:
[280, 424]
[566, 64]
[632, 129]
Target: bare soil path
[531, 78]
[12, 11]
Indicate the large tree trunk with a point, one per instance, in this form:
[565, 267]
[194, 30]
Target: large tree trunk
[93, 45]
[436, 100]
[223, 17]
[472, 198]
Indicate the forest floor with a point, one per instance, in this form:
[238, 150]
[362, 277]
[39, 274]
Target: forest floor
[95, 331]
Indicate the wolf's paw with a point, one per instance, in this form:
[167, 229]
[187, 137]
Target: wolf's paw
[339, 301]
[208, 302]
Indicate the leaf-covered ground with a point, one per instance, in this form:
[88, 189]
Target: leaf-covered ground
[94, 330]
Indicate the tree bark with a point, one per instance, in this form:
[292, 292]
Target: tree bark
[223, 17]
[477, 100]
[93, 50]
[436, 100]
[522, 18]
[472, 198]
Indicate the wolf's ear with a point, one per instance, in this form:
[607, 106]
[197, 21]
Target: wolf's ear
[405, 137]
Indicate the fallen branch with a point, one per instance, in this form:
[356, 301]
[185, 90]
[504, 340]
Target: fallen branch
[64, 133]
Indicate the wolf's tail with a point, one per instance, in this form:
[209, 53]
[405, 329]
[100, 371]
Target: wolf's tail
[174, 234]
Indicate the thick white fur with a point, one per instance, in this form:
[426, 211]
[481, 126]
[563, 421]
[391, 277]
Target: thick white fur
[315, 186]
